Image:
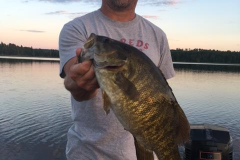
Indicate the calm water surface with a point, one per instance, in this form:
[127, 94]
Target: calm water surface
[35, 111]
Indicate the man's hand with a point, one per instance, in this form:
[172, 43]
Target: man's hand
[80, 78]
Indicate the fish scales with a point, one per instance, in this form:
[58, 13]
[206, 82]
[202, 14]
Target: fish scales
[138, 94]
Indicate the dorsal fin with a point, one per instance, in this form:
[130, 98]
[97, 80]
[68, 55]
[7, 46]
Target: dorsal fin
[183, 127]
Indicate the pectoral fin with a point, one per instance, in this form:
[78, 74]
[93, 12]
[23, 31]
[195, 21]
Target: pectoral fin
[126, 86]
[106, 102]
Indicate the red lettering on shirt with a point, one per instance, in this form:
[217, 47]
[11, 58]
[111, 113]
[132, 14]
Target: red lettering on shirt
[131, 42]
[139, 43]
[146, 46]
[123, 40]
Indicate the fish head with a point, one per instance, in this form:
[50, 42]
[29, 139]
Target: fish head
[106, 53]
[113, 65]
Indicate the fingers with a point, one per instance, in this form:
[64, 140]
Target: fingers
[80, 69]
[78, 51]
[94, 84]
[80, 78]
[83, 74]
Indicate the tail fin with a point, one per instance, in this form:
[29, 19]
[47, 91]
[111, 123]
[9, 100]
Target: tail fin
[169, 155]
[143, 153]
[183, 127]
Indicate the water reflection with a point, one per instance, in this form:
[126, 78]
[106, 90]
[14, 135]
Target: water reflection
[35, 108]
[210, 94]
[34, 111]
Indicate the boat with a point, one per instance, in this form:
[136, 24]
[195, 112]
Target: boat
[208, 142]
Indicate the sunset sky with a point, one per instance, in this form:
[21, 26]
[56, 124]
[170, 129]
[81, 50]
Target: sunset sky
[207, 24]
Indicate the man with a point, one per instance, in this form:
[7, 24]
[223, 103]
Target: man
[95, 135]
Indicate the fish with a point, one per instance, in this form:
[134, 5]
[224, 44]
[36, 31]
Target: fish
[137, 92]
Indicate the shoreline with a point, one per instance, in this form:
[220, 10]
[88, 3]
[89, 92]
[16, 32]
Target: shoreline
[30, 58]
[58, 59]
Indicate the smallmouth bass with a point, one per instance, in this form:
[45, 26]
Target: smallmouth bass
[139, 95]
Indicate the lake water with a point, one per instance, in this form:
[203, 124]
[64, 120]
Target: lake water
[35, 111]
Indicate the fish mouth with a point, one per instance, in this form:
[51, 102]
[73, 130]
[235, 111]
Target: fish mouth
[114, 67]
[104, 65]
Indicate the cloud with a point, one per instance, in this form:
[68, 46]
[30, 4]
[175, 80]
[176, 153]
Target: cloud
[32, 31]
[145, 2]
[77, 14]
[67, 1]
[70, 14]
[56, 12]
[159, 2]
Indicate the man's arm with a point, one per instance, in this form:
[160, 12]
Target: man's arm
[80, 79]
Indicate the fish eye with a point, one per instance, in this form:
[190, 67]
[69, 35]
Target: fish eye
[106, 40]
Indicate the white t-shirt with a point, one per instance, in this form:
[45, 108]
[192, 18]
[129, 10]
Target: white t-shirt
[95, 135]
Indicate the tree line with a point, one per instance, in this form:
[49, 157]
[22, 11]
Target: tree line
[14, 50]
[178, 55]
[205, 56]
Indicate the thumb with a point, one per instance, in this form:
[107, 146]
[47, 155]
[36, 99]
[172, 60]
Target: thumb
[78, 54]
[78, 51]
